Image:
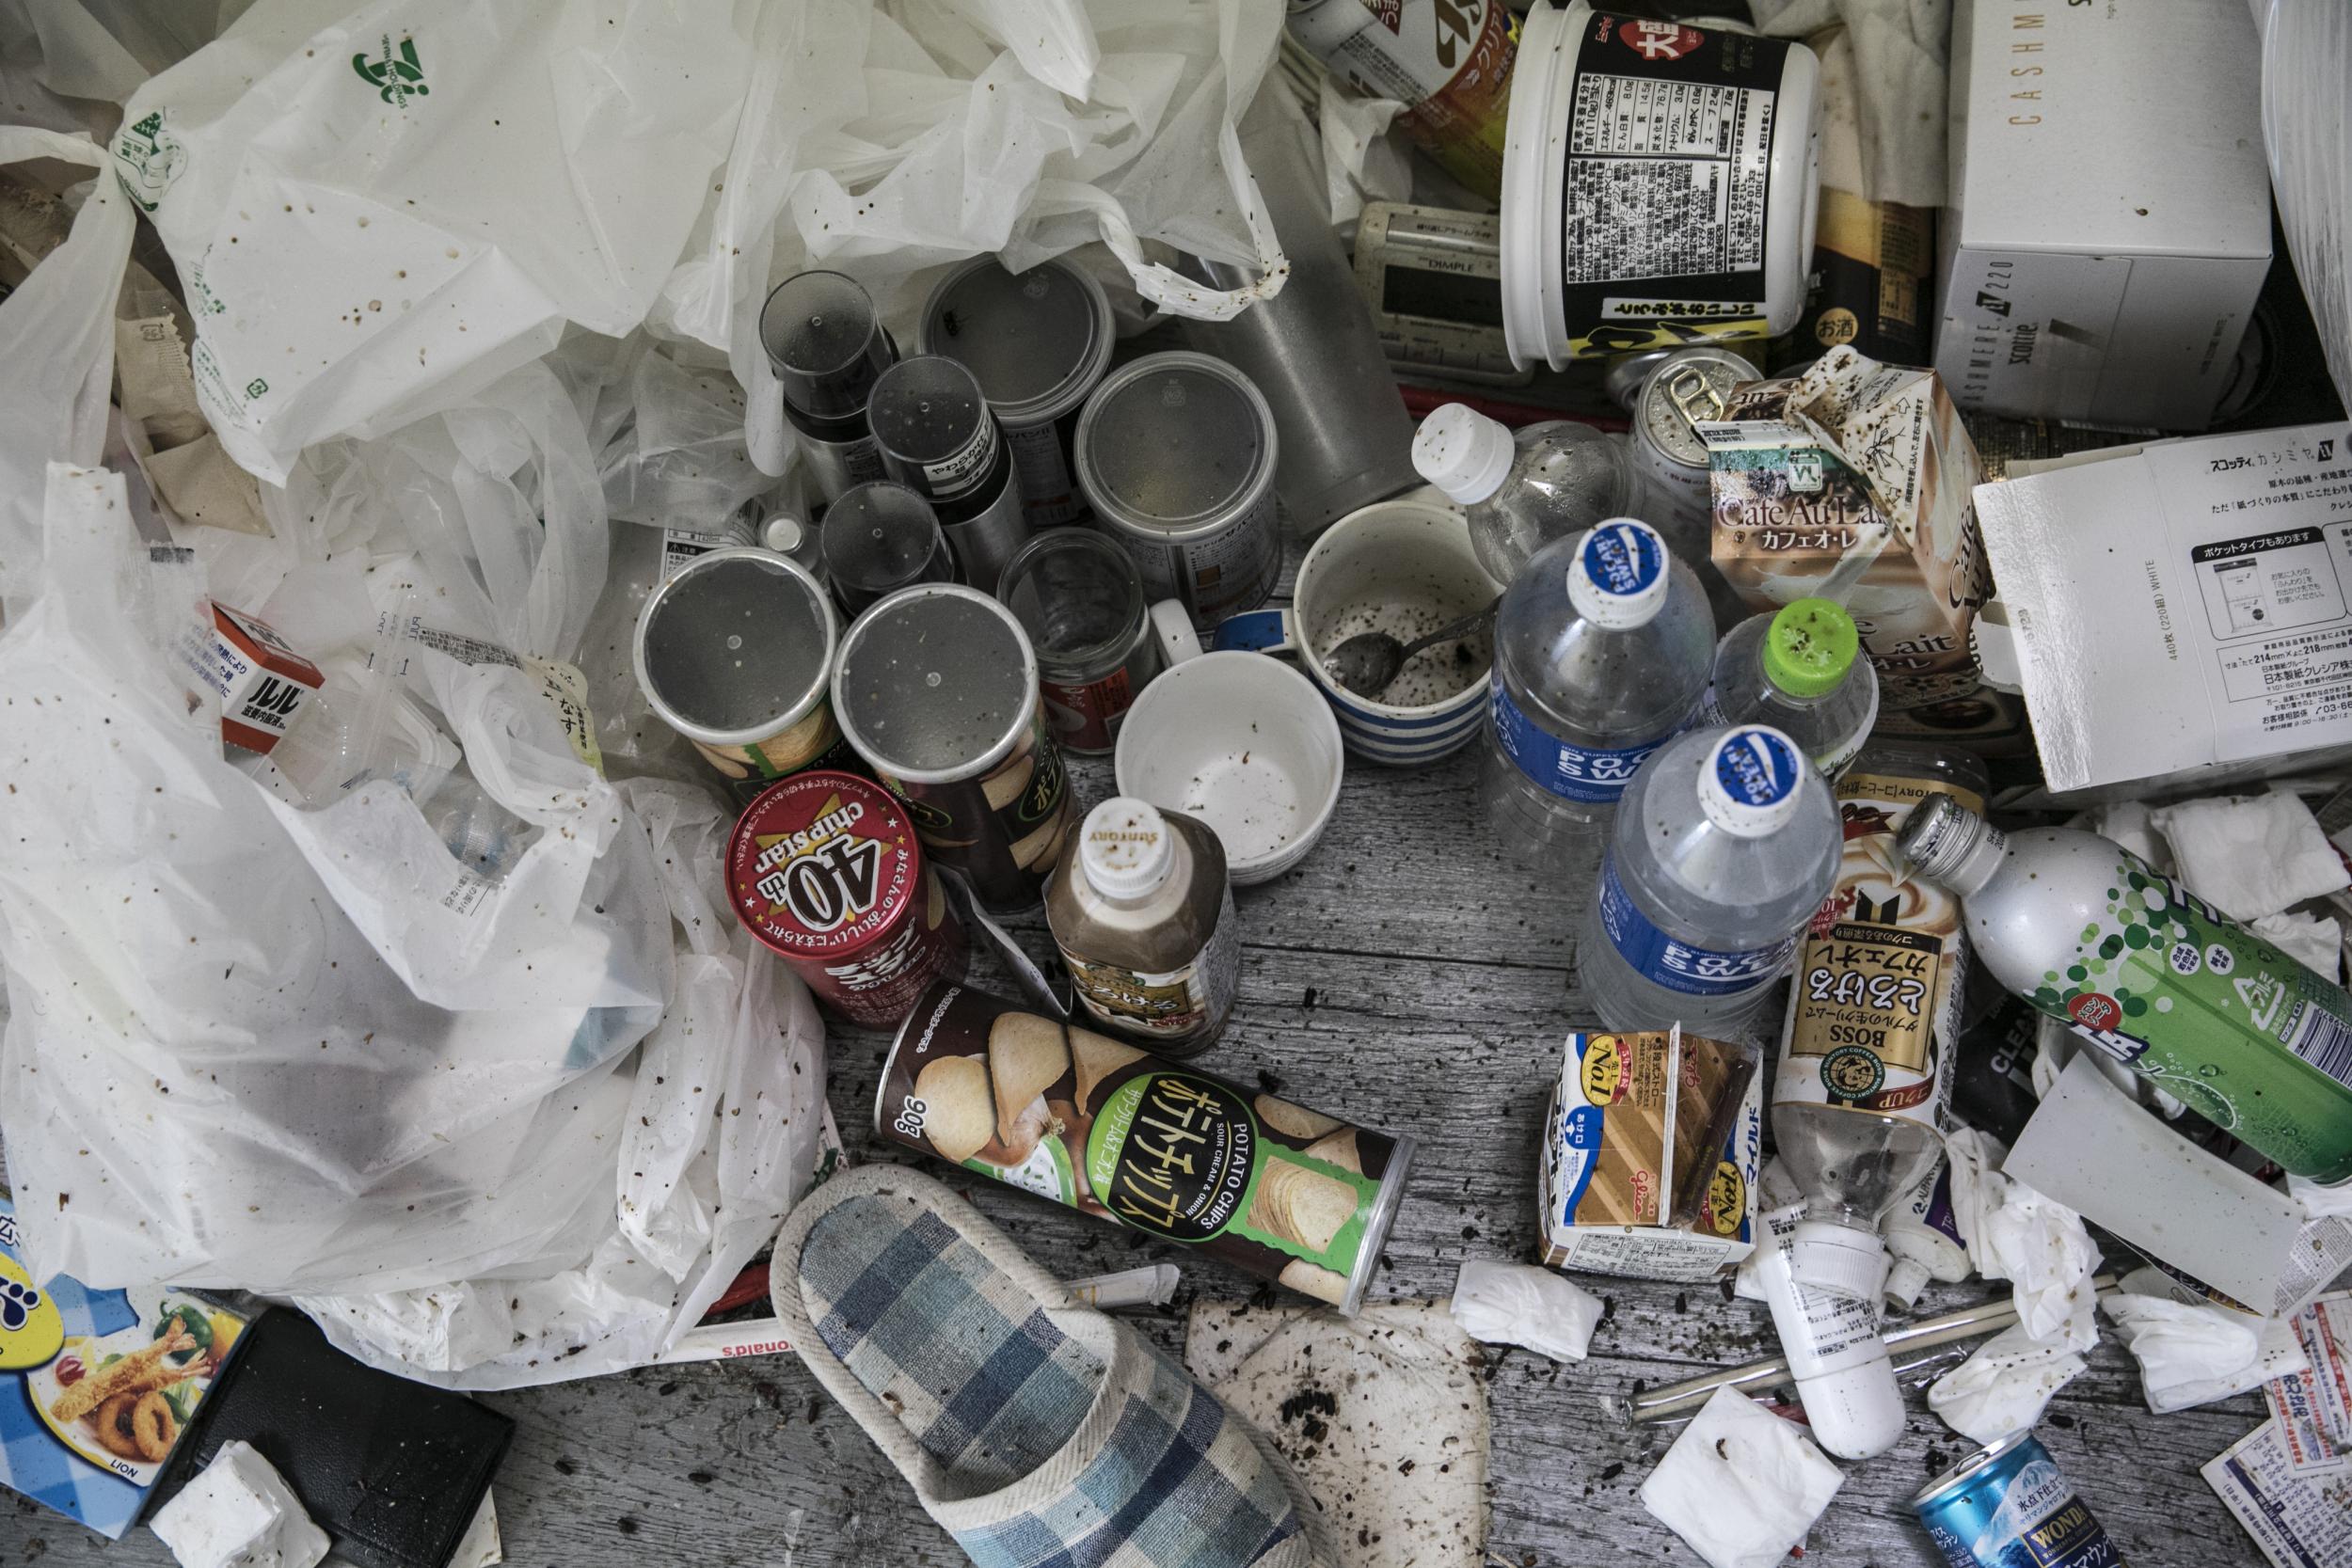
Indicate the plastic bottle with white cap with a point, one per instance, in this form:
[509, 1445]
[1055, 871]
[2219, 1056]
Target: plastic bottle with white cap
[1523, 490]
[1143, 914]
[1832, 1343]
[1602, 647]
[1724, 846]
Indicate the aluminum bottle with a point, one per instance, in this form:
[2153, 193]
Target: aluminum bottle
[1602, 647]
[1724, 846]
[2153, 977]
[1796, 669]
[1522, 491]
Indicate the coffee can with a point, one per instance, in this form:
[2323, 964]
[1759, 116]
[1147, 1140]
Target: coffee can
[1176, 456]
[937, 688]
[827, 345]
[735, 652]
[938, 438]
[1080, 599]
[824, 868]
[1038, 342]
[1107, 1128]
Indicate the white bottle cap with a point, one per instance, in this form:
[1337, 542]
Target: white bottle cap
[1904, 1281]
[1750, 788]
[1839, 1259]
[782, 534]
[1463, 452]
[1619, 578]
[1126, 848]
[1857, 1412]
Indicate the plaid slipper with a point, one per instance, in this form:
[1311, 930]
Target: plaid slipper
[1039, 1434]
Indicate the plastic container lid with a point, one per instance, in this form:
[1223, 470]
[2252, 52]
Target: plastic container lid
[1904, 1281]
[1174, 446]
[1619, 577]
[1810, 647]
[1857, 1412]
[1126, 849]
[1463, 452]
[824, 341]
[878, 536]
[736, 646]
[1825, 1255]
[1036, 341]
[1750, 788]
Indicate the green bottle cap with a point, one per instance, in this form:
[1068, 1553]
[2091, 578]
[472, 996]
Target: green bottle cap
[1809, 647]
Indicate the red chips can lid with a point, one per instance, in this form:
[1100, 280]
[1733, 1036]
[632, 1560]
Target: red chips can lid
[823, 865]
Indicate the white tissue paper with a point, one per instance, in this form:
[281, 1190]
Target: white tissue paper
[1898, 49]
[1519, 1304]
[2128, 823]
[2312, 941]
[239, 1513]
[1741, 1485]
[2037, 1245]
[2319, 1201]
[2004, 1387]
[2252, 855]
[2192, 1354]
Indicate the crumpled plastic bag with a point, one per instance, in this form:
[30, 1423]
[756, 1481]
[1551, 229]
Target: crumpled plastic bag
[2192, 1354]
[377, 210]
[2015, 1233]
[2003, 1386]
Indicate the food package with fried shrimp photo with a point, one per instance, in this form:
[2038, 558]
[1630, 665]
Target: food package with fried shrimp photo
[96, 1386]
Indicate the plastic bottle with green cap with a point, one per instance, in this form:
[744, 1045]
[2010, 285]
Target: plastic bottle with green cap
[1799, 670]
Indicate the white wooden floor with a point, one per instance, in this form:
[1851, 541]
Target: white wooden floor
[1404, 976]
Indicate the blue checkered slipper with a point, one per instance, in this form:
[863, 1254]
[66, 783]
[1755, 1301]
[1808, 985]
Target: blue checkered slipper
[1039, 1434]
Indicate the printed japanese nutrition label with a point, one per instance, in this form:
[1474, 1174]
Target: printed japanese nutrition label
[1665, 179]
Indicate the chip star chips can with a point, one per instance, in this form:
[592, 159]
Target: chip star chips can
[826, 871]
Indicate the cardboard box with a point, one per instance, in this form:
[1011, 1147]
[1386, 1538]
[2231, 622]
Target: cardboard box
[57, 1335]
[260, 681]
[1624, 1125]
[2180, 613]
[1855, 482]
[2108, 225]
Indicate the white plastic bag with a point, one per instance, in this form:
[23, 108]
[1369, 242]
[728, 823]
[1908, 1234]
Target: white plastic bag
[377, 212]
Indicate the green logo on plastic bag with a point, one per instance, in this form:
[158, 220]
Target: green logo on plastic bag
[398, 76]
[148, 159]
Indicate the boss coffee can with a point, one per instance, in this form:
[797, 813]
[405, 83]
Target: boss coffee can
[825, 869]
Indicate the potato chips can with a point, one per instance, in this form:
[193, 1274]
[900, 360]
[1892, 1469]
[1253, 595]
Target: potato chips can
[1106, 1127]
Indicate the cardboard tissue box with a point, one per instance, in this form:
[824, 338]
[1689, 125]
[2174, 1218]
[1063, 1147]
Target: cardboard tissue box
[1625, 1125]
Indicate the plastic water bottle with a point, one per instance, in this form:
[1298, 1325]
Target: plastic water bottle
[1523, 492]
[1602, 647]
[1796, 669]
[1724, 846]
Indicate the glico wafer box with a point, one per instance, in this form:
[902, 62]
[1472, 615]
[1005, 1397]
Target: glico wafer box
[1855, 482]
[1626, 1122]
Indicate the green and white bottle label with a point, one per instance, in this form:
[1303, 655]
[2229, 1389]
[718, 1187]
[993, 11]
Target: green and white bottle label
[2219, 1019]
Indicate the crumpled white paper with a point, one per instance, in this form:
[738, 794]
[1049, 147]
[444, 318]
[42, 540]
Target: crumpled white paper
[2316, 942]
[2015, 1233]
[2003, 1386]
[2194, 1355]
[1741, 1485]
[1898, 51]
[239, 1513]
[2318, 1199]
[2128, 823]
[1519, 1304]
[2252, 855]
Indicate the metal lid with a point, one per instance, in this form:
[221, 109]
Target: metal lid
[1969, 1467]
[1079, 596]
[825, 342]
[792, 894]
[1175, 445]
[1038, 341]
[935, 682]
[1689, 386]
[735, 648]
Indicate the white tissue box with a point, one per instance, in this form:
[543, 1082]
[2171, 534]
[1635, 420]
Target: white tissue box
[2108, 225]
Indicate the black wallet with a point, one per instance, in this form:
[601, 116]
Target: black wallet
[394, 1470]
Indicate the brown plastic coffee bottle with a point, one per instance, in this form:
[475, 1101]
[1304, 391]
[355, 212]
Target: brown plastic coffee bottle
[1143, 914]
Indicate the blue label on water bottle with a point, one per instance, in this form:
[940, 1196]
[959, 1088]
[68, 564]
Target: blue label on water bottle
[1677, 965]
[1571, 771]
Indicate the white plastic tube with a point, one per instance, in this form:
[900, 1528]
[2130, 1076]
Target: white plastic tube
[1835, 1353]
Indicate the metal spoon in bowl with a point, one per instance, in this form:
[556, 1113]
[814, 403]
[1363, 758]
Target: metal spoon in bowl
[1367, 662]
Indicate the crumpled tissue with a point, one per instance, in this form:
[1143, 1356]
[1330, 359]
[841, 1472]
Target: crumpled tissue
[2312, 941]
[2014, 1233]
[2252, 855]
[1898, 49]
[1741, 1485]
[1519, 1304]
[2004, 1387]
[2130, 824]
[2194, 1355]
[2320, 1200]
[239, 1513]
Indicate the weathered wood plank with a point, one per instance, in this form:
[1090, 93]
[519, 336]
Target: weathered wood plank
[1438, 979]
